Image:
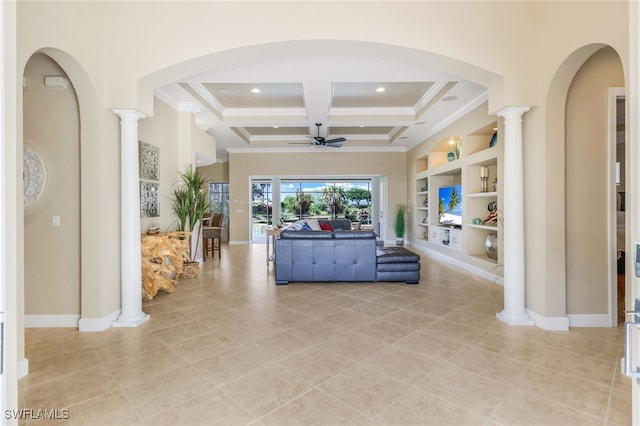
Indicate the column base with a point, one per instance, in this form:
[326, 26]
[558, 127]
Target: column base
[510, 319]
[131, 322]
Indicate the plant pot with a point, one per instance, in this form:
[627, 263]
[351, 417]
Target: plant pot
[191, 269]
[399, 241]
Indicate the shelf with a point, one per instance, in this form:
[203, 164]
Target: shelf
[485, 258]
[482, 158]
[465, 243]
[485, 227]
[451, 168]
[482, 194]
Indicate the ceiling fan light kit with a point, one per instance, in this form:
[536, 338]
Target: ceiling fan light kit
[321, 141]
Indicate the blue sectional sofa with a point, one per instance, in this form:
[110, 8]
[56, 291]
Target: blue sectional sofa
[352, 256]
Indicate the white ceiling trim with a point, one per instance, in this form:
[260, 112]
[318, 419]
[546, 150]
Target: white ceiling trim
[429, 95]
[312, 149]
[207, 96]
[459, 114]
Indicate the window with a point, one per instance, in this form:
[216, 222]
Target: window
[219, 197]
[294, 199]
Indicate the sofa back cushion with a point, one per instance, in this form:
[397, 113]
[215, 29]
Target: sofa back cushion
[344, 235]
[306, 235]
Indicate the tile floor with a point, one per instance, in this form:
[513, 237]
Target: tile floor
[231, 348]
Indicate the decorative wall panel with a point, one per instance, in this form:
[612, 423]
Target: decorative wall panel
[34, 175]
[149, 199]
[149, 161]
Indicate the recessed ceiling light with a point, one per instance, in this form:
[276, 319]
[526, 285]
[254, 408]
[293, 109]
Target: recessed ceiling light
[449, 98]
[361, 126]
[380, 89]
[255, 90]
[403, 137]
[276, 127]
[420, 123]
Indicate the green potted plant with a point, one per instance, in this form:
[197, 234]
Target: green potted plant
[400, 224]
[190, 204]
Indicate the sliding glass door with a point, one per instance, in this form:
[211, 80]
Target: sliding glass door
[285, 200]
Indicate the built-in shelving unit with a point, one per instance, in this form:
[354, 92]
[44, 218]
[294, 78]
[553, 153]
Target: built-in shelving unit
[460, 161]
[422, 197]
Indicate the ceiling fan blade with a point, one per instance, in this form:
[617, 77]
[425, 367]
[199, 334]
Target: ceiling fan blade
[300, 143]
[333, 144]
[334, 140]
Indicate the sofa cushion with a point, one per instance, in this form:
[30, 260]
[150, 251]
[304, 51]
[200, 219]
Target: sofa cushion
[314, 225]
[339, 224]
[306, 235]
[396, 255]
[297, 225]
[326, 226]
[343, 235]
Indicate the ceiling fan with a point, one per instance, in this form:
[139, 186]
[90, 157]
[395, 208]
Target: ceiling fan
[320, 141]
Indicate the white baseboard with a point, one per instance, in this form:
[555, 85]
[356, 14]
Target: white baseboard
[98, 324]
[549, 323]
[23, 368]
[596, 320]
[462, 265]
[40, 321]
[239, 243]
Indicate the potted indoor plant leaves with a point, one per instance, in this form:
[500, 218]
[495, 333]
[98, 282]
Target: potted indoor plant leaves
[400, 224]
[190, 205]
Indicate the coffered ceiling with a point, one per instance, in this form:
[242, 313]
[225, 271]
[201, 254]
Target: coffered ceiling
[373, 103]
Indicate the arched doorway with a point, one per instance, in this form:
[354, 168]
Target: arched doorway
[91, 310]
[580, 188]
[52, 200]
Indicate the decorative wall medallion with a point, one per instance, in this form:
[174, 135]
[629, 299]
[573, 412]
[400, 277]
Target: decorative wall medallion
[149, 161]
[34, 175]
[149, 194]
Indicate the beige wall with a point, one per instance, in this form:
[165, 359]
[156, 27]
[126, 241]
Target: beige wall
[588, 225]
[161, 130]
[243, 166]
[52, 254]
[217, 172]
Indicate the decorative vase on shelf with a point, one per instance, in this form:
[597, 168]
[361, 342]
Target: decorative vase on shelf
[451, 156]
[494, 185]
[491, 246]
[458, 150]
[494, 140]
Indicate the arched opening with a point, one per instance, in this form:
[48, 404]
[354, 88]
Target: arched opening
[83, 111]
[52, 195]
[580, 189]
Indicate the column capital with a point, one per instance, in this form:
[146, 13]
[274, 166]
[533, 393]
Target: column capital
[129, 114]
[513, 112]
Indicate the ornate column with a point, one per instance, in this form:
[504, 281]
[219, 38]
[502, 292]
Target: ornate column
[514, 312]
[130, 253]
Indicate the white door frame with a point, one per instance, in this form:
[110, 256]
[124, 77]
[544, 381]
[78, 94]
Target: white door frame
[614, 94]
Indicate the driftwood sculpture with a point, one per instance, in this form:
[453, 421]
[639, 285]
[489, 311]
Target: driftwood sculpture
[163, 258]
